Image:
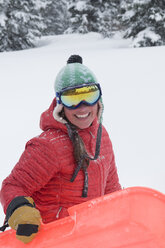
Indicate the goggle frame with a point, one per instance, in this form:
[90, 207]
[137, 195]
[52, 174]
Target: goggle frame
[58, 95]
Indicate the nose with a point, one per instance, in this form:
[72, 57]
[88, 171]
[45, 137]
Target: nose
[83, 105]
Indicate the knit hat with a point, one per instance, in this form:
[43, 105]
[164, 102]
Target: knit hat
[74, 74]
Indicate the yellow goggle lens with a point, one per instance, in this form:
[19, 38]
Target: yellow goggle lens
[89, 94]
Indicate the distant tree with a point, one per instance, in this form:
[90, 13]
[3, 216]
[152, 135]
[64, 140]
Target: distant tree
[109, 21]
[19, 24]
[83, 17]
[93, 16]
[55, 17]
[144, 21]
[3, 18]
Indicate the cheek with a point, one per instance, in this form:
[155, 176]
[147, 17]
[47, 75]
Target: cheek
[68, 113]
[95, 110]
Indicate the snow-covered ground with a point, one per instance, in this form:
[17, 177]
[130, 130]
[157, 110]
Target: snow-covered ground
[133, 85]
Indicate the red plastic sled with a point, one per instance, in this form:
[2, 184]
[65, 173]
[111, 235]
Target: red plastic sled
[130, 218]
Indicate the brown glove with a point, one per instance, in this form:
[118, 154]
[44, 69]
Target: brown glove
[24, 218]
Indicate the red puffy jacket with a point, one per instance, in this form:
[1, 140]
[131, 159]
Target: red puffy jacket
[47, 165]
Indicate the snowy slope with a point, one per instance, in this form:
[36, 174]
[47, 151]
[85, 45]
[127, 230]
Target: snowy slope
[133, 92]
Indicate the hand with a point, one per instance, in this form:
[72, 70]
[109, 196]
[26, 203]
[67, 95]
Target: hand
[26, 221]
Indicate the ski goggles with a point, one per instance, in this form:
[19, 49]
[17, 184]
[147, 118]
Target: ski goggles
[72, 97]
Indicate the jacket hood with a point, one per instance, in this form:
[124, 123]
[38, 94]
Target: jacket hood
[47, 120]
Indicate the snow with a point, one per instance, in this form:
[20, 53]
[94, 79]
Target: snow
[141, 36]
[80, 6]
[157, 17]
[40, 4]
[141, 1]
[132, 81]
[128, 15]
[2, 19]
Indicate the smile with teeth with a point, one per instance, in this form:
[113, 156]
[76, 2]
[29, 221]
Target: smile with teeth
[82, 116]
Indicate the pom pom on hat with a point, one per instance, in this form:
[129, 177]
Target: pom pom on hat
[75, 59]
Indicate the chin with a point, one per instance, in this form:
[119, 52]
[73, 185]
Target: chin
[83, 126]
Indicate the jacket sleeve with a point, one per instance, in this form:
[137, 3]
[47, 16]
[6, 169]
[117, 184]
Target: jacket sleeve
[112, 183]
[35, 168]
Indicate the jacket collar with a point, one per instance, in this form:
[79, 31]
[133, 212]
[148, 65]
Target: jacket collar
[47, 121]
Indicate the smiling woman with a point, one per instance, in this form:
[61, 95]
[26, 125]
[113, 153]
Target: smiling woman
[70, 162]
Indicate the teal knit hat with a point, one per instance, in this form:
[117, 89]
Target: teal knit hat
[74, 74]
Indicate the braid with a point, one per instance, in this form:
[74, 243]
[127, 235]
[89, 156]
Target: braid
[81, 156]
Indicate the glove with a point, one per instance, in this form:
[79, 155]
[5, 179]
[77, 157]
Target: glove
[23, 217]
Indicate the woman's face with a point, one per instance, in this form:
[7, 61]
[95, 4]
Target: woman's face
[83, 116]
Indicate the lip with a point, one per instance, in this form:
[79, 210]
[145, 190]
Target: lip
[82, 116]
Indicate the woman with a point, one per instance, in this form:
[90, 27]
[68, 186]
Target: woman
[70, 162]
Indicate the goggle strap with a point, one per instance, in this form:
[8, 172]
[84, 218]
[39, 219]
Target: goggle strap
[58, 97]
[98, 144]
[85, 189]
